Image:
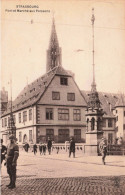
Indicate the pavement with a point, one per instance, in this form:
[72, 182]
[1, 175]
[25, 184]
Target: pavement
[57, 174]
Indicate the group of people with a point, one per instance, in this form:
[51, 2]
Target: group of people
[11, 153]
[42, 147]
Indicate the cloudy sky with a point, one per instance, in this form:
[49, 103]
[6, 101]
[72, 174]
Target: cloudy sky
[25, 39]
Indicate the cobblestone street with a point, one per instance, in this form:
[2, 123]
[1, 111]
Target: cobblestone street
[59, 175]
[68, 186]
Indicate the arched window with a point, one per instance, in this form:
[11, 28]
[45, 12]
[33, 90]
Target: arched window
[87, 124]
[92, 124]
[24, 138]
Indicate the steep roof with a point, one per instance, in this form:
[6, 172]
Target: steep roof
[108, 101]
[33, 92]
[121, 101]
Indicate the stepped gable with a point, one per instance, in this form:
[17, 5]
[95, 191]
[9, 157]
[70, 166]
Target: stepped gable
[108, 101]
[33, 92]
[121, 101]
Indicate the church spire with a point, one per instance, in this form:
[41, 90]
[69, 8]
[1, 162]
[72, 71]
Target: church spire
[54, 51]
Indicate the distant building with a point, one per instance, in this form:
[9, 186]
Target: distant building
[3, 100]
[54, 106]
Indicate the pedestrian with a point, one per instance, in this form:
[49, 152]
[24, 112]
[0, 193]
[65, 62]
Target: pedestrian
[41, 148]
[57, 150]
[27, 147]
[3, 151]
[72, 147]
[35, 149]
[103, 149]
[11, 160]
[49, 145]
[44, 148]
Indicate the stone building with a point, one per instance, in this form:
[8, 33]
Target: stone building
[54, 106]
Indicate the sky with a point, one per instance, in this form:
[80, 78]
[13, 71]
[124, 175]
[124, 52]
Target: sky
[25, 39]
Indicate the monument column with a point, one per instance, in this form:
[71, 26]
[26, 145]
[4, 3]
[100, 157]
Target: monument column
[94, 112]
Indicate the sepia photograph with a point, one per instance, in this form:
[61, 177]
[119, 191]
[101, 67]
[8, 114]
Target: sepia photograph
[62, 97]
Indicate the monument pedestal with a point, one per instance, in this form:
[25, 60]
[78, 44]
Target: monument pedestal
[92, 140]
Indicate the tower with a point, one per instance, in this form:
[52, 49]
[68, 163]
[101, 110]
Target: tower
[94, 112]
[54, 51]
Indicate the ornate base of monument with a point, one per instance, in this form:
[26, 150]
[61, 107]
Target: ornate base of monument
[92, 141]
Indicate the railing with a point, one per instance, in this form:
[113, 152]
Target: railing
[116, 150]
[59, 147]
[80, 147]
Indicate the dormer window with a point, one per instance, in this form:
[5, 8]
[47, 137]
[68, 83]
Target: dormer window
[63, 81]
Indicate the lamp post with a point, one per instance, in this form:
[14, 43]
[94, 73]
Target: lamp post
[11, 129]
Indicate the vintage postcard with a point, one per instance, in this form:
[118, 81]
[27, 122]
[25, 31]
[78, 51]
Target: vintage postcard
[62, 97]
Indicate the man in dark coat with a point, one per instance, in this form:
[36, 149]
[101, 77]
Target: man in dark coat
[26, 147]
[49, 145]
[35, 149]
[41, 148]
[44, 148]
[72, 147]
[103, 149]
[11, 160]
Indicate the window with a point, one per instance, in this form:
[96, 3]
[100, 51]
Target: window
[24, 116]
[109, 122]
[124, 113]
[124, 126]
[71, 96]
[55, 95]
[77, 114]
[117, 118]
[8, 121]
[63, 135]
[20, 136]
[64, 81]
[30, 114]
[63, 114]
[19, 117]
[50, 133]
[104, 123]
[5, 122]
[92, 124]
[110, 138]
[30, 135]
[77, 135]
[49, 113]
